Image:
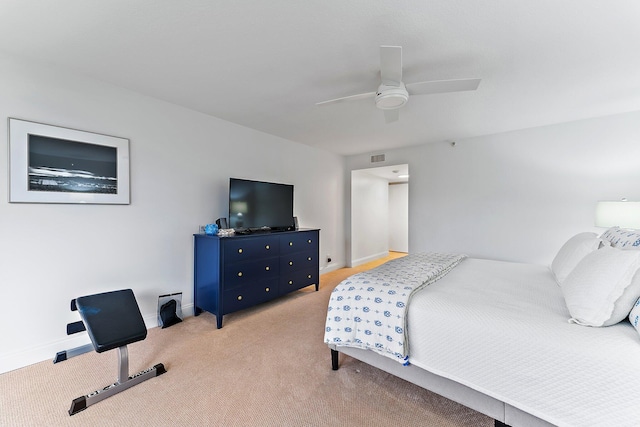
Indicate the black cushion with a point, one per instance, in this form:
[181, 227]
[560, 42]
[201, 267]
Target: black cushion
[112, 319]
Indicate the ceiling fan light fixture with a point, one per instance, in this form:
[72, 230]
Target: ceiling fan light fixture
[391, 97]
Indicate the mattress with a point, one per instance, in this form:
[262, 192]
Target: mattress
[502, 329]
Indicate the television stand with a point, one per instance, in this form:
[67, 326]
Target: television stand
[236, 272]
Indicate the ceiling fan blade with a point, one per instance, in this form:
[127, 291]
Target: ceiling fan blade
[348, 98]
[391, 116]
[442, 86]
[391, 65]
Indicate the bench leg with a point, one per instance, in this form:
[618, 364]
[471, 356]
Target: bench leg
[124, 382]
[61, 356]
[81, 403]
[123, 364]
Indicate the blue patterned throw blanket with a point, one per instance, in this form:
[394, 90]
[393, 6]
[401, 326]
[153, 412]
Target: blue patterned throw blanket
[368, 310]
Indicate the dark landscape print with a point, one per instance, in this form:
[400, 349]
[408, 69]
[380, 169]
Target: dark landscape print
[58, 165]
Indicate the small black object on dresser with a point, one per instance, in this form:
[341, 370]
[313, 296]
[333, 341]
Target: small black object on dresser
[222, 223]
[236, 272]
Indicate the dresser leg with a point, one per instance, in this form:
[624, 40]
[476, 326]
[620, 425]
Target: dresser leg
[219, 321]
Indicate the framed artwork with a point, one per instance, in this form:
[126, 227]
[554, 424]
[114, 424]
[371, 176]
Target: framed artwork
[51, 164]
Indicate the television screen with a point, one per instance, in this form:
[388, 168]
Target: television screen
[255, 204]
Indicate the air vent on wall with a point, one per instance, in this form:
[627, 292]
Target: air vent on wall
[377, 158]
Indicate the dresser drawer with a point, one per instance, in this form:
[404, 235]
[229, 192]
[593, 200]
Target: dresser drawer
[298, 261]
[247, 296]
[250, 248]
[298, 279]
[246, 273]
[296, 242]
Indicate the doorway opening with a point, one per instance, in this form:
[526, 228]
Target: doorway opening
[379, 212]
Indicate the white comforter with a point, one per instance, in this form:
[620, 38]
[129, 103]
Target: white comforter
[506, 334]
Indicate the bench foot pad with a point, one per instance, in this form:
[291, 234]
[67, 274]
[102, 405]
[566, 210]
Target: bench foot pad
[83, 402]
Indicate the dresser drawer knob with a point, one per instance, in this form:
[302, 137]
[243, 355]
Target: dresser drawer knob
[239, 297]
[290, 262]
[309, 276]
[239, 273]
[291, 282]
[266, 289]
[267, 268]
[309, 259]
[309, 241]
[240, 250]
[290, 243]
[267, 247]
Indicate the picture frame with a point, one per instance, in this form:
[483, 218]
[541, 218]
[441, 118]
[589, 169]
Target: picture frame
[52, 164]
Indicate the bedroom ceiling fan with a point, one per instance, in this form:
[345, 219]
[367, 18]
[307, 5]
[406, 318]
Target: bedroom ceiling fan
[393, 94]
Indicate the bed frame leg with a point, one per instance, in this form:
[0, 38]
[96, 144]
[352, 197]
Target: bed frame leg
[334, 360]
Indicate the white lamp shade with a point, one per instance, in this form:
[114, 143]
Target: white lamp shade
[621, 214]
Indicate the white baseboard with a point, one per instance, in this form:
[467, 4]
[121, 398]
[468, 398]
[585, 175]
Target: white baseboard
[330, 268]
[36, 354]
[47, 351]
[364, 260]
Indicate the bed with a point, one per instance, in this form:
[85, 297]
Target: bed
[525, 344]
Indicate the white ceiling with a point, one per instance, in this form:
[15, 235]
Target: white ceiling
[394, 173]
[264, 64]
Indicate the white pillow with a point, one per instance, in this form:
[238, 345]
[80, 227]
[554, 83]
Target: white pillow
[572, 252]
[602, 288]
[634, 316]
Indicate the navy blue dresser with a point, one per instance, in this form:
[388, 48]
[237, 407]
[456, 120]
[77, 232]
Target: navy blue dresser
[236, 272]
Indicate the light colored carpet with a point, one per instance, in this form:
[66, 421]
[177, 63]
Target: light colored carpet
[267, 366]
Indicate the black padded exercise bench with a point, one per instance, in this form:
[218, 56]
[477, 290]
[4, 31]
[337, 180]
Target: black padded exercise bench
[113, 320]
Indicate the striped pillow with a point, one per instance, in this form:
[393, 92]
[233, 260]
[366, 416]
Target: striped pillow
[634, 316]
[622, 238]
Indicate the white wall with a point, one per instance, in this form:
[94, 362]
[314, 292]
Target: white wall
[369, 217]
[181, 161]
[399, 217]
[519, 195]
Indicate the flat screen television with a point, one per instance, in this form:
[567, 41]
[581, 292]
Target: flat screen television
[255, 205]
